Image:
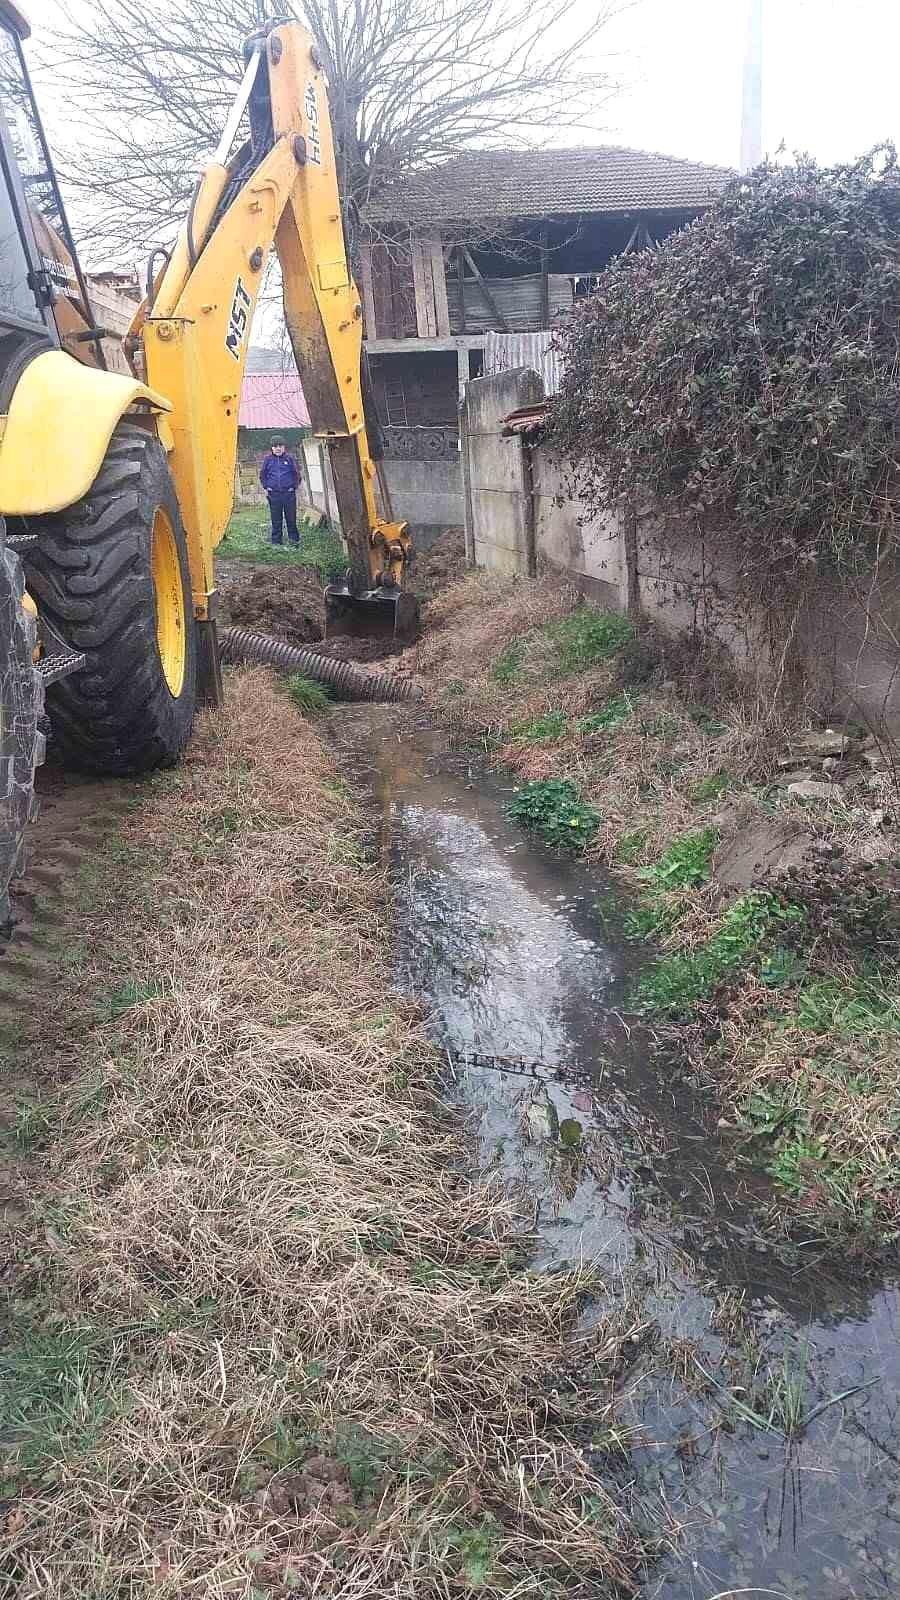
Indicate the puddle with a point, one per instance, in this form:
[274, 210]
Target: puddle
[507, 948]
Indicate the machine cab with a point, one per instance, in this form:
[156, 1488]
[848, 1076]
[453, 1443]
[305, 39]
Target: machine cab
[43, 297]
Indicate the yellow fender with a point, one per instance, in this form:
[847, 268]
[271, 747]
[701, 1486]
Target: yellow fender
[60, 422]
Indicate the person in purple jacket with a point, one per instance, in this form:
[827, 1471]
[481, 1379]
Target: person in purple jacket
[281, 479]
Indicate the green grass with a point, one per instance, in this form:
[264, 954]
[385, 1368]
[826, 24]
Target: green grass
[630, 846]
[542, 730]
[308, 696]
[863, 1007]
[57, 1389]
[675, 983]
[507, 668]
[709, 788]
[248, 538]
[115, 1004]
[611, 716]
[553, 808]
[588, 637]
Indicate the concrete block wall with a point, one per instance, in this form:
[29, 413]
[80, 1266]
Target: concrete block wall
[426, 494]
[581, 543]
[499, 508]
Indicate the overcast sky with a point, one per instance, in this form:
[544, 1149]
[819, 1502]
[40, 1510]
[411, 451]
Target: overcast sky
[830, 75]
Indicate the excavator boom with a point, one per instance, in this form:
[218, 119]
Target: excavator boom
[280, 189]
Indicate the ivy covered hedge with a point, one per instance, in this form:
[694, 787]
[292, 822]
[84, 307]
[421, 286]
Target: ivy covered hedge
[749, 369]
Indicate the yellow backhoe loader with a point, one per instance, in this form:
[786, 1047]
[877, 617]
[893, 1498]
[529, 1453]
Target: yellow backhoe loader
[115, 490]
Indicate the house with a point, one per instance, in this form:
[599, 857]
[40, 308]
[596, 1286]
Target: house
[115, 298]
[467, 267]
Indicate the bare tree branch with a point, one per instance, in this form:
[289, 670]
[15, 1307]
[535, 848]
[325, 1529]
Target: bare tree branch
[147, 84]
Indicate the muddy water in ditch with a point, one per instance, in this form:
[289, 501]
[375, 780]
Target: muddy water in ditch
[625, 1166]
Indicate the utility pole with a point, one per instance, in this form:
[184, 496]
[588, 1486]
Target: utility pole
[751, 119]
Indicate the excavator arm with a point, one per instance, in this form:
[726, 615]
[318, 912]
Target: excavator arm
[280, 189]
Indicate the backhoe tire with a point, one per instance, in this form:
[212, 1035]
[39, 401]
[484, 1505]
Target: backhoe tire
[21, 710]
[111, 578]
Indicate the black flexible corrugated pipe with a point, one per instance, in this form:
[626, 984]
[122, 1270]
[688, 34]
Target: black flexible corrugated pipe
[347, 681]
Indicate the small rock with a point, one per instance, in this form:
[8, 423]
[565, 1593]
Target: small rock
[810, 790]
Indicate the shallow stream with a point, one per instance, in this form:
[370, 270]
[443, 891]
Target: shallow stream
[509, 949]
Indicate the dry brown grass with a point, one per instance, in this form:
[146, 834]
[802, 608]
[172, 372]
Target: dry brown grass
[296, 1347]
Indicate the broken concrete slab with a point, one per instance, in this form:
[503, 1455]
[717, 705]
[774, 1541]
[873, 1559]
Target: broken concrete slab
[808, 789]
[824, 744]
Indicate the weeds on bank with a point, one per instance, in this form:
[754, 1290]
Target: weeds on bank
[588, 637]
[554, 810]
[776, 984]
[310, 697]
[675, 983]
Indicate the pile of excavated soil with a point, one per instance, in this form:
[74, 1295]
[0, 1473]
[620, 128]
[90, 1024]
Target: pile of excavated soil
[435, 569]
[285, 602]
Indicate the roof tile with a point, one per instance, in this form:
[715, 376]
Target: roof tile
[540, 183]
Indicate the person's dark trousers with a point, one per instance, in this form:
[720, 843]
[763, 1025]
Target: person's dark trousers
[283, 508]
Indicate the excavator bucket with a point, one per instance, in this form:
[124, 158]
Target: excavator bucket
[373, 613]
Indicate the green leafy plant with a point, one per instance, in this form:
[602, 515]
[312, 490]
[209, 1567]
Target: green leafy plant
[781, 968]
[308, 696]
[477, 1549]
[552, 808]
[686, 862]
[542, 730]
[508, 666]
[653, 918]
[587, 637]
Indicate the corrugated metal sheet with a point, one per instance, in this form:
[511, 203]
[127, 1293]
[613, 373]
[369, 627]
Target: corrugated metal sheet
[505, 351]
[273, 400]
[519, 300]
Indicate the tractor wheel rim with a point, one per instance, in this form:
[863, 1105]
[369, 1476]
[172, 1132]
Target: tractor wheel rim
[171, 621]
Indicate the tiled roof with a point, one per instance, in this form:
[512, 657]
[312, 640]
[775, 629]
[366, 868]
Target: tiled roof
[541, 183]
[273, 400]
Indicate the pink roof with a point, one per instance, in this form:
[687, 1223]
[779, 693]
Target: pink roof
[273, 400]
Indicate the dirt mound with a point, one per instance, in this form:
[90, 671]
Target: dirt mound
[285, 602]
[435, 569]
